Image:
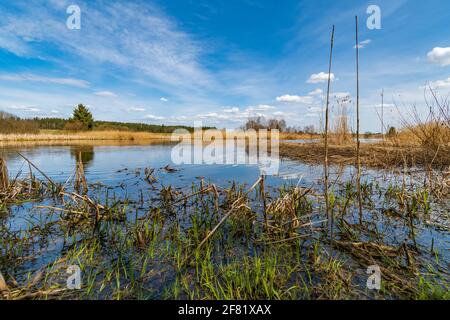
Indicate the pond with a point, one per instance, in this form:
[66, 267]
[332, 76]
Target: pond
[121, 171]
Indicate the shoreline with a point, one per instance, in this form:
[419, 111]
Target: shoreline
[376, 156]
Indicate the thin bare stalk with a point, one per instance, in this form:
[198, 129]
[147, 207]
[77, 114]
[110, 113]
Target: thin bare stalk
[80, 179]
[39, 170]
[326, 131]
[358, 142]
[263, 196]
[382, 114]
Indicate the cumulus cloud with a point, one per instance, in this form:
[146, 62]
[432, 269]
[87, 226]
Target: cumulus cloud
[440, 84]
[36, 78]
[320, 77]
[440, 56]
[235, 114]
[164, 99]
[295, 99]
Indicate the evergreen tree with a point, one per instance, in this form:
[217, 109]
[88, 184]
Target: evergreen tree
[83, 115]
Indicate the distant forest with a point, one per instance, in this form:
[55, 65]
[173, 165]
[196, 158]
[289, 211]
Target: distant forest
[13, 124]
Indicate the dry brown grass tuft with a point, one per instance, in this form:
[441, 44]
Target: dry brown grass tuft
[342, 134]
[431, 133]
[431, 136]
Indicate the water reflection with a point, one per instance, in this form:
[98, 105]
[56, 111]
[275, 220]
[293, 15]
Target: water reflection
[86, 152]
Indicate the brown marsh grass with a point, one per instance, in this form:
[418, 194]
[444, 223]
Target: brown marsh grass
[61, 136]
[84, 136]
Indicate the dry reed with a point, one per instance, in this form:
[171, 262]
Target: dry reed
[4, 180]
[85, 136]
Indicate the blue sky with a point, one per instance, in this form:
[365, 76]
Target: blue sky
[219, 61]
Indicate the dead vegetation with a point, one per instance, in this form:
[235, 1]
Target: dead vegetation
[387, 156]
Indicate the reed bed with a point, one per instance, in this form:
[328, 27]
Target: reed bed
[85, 136]
[48, 136]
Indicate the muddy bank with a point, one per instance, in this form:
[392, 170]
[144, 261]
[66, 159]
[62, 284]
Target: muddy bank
[372, 155]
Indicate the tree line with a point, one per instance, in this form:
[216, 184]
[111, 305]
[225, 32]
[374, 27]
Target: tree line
[81, 120]
[258, 123]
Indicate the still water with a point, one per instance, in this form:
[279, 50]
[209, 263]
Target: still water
[121, 169]
[114, 165]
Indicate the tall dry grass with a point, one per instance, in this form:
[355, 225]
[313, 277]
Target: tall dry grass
[340, 133]
[431, 132]
[84, 136]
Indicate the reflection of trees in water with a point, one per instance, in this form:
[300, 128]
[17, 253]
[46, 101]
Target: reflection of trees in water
[87, 154]
[9, 153]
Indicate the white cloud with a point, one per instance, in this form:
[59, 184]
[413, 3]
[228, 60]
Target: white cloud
[153, 117]
[320, 77]
[440, 84]
[231, 110]
[164, 99]
[363, 44]
[440, 56]
[141, 39]
[136, 109]
[234, 114]
[105, 94]
[295, 99]
[261, 107]
[36, 78]
[54, 111]
[316, 92]
[283, 114]
[24, 108]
